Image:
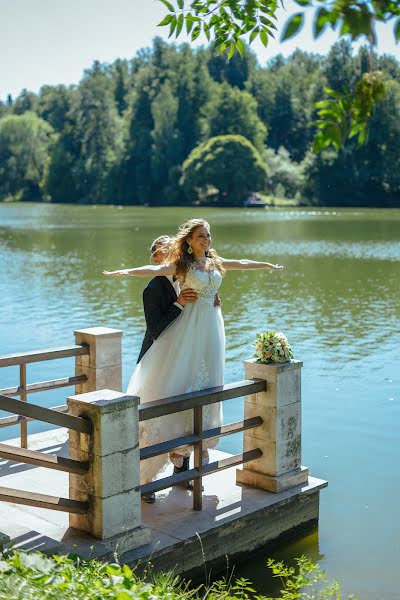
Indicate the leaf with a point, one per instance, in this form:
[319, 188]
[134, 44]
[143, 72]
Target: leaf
[189, 22]
[303, 2]
[264, 37]
[268, 22]
[172, 26]
[320, 143]
[179, 24]
[253, 34]
[362, 137]
[397, 30]
[221, 48]
[167, 19]
[195, 33]
[332, 93]
[180, 4]
[168, 5]
[292, 26]
[240, 47]
[231, 50]
[206, 30]
[322, 19]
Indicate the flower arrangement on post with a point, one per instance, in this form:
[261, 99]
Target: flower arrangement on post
[272, 347]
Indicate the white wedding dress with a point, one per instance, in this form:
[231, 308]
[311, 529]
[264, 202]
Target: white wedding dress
[188, 356]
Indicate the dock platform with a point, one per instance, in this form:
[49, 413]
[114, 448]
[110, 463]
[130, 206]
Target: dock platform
[236, 520]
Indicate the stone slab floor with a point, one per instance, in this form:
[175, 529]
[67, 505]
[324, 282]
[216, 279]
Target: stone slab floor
[171, 519]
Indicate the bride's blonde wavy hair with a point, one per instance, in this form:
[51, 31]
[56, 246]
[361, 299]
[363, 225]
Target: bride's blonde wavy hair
[177, 249]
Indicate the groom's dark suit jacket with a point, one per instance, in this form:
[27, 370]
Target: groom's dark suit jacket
[159, 309]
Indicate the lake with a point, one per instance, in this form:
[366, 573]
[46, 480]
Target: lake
[337, 301]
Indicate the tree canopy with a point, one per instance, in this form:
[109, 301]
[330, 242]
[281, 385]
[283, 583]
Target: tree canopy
[124, 132]
[25, 141]
[229, 23]
[226, 167]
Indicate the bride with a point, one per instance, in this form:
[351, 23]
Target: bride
[189, 354]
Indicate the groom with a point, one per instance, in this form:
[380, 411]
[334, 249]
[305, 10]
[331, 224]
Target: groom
[163, 302]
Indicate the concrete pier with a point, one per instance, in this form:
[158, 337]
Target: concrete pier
[236, 520]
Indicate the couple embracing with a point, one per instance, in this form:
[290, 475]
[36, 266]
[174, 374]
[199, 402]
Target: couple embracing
[184, 346]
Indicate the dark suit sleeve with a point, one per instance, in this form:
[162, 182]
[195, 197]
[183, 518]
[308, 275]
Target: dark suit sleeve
[156, 319]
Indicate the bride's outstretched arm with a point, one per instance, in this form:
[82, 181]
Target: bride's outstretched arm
[244, 263]
[145, 271]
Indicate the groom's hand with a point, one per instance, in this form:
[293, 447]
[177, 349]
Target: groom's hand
[217, 300]
[187, 296]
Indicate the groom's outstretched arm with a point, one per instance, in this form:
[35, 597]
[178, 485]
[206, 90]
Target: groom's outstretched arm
[157, 319]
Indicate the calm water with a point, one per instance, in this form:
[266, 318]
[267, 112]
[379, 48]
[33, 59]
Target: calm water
[337, 300]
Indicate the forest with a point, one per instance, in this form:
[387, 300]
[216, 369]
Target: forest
[176, 126]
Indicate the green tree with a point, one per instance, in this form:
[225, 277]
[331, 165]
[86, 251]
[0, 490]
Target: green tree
[25, 141]
[26, 101]
[135, 168]
[285, 176]
[53, 104]
[285, 92]
[366, 176]
[236, 71]
[228, 166]
[339, 68]
[90, 144]
[232, 111]
[166, 147]
[122, 84]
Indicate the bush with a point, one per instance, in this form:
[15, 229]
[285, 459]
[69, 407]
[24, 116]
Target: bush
[34, 576]
[227, 165]
[286, 177]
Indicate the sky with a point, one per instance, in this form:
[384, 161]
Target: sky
[53, 41]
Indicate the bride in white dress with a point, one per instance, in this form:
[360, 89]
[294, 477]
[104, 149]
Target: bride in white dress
[189, 354]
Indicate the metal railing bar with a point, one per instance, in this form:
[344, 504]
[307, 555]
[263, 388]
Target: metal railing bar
[16, 419]
[43, 386]
[232, 428]
[43, 501]
[41, 459]
[42, 355]
[160, 408]
[47, 415]
[232, 461]
[164, 447]
[23, 398]
[197, 457]
[220, 465]
[190, 440]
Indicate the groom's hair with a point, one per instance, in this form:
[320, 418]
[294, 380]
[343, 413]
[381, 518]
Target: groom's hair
[161, 241]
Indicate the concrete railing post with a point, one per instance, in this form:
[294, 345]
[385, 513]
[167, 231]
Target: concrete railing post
[112, 484]
[4, 539]
[279, 436]
[103, 366]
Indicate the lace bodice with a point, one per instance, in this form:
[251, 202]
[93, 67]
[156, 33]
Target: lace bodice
[206, 283]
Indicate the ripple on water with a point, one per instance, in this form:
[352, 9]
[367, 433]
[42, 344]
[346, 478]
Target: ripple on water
[389, 251]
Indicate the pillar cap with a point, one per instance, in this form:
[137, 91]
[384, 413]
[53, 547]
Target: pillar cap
[96, 332]
[278, 367]
[104, 400]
